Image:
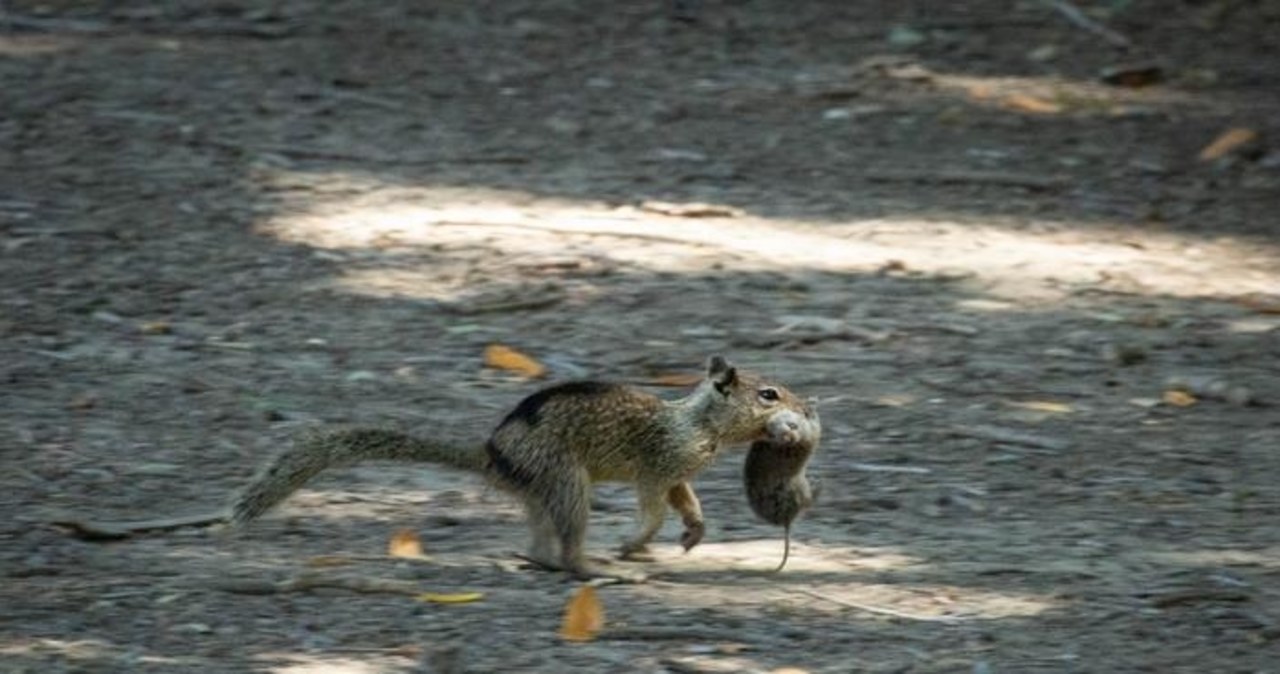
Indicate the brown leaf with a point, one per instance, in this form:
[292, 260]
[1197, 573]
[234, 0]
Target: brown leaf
[451, 598]
[691, 210]
[1042, 406]
[1133, 75]
[504, 357]
[675, 379]
[1228, 142]
[405, 543]
[1178, 398]
[1031, 104]
[156, 328]
[84, 401]
[583, 616]
[1259, 302]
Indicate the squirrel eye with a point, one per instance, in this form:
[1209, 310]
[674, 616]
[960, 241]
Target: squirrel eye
[769, 394]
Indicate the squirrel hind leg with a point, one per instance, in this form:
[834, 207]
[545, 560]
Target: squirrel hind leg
[558, 504]
[544, 543]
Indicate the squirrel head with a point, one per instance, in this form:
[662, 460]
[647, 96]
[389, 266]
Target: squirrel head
[745, 406]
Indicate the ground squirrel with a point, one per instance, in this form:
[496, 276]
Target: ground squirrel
[558, 441]
[774, 474]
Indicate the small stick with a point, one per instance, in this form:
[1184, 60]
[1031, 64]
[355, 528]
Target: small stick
[1076, 16]
[336, 155]
[667, 634]
[307, 582]
[998, 179]
[879, 610]
[91, 530]
[1010, 437]
[888, 468]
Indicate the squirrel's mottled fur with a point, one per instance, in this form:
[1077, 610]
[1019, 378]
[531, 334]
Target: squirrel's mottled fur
[556, 443]
[774, 474]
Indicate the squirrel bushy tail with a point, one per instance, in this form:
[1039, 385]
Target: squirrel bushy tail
[316, 452]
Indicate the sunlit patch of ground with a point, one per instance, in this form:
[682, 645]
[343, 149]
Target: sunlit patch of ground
[510, 229]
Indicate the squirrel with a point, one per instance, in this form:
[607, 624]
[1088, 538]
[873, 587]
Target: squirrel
[774, 474]
[557, 442]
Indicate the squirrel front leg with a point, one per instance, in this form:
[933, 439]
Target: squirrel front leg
[685, 501]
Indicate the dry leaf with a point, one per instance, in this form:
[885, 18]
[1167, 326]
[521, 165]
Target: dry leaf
[404, 543]
[1230, 140]
[1259, 302]
[84, 401]
[1025, 103]
[1134, 75]
[691, 210]
[583, 616]
[1178, 398]
[506, 358]
[1043, 406]
[677, 379]
[457, 598]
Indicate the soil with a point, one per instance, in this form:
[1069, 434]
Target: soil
[1044, 333]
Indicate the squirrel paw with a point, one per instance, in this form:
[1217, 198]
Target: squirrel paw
[692, 535]
[635, 552]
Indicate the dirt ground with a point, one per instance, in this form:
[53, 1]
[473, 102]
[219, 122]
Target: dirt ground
[1044, 334]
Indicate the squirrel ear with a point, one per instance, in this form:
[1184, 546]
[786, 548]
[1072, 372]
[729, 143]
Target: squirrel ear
[721, 373]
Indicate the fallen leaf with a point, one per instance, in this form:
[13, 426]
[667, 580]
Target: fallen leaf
[1178, 398]
[156, 328]
[1043, 406]
[677, 379]
[1134, 75]
[1031, 104]
[691, 210]
[1228, 142]
[1259, 302]
[84, 401]
[506, 358]
[583, 616]
[456, 598]
[405, 543]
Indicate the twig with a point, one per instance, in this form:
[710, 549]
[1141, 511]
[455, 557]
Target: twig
[879, 610]
[1010, 436]
[972, 177]
[109, 531]
[199, 27]
[335, 155]
[668, 634]
[1179, 598]
[507, 306]
[306, 582]
[367, 99]
[882, 468]
[621, 234]
[12, 21]
[1082, 20]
